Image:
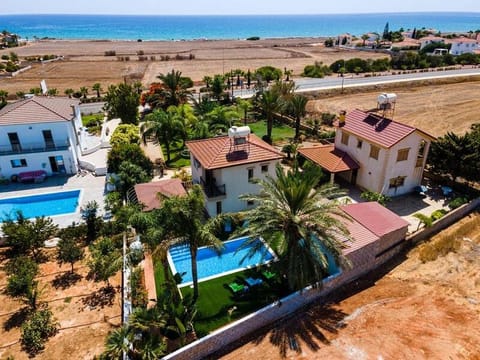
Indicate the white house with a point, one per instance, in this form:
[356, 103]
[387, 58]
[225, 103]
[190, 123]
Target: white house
[430, 39]
[375, 153]
[40, 134]
[225, 167]
[464, 45]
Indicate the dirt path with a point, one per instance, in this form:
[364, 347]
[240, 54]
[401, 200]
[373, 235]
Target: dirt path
[416, 311]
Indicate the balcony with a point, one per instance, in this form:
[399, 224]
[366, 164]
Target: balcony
[211, 189]
[37, 147]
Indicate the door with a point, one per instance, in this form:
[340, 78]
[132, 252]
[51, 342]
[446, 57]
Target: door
[14, 142]
[47, 136]
[53, 164]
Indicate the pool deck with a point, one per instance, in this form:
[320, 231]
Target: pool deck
[93, 188]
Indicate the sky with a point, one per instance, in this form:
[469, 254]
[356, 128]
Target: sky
[222, 7]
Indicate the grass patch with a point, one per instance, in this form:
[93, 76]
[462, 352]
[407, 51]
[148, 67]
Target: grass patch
[177, 161]
[87, 120]
[215, 300]
[280, 132]
[160, 277]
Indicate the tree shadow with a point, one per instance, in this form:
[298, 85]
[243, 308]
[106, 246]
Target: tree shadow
[16, 319]
[100, 298]
[65, 280]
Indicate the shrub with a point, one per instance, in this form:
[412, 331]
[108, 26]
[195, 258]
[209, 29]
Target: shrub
[438, 214]
[457, 202]
[110, 53]
[328, 118]
[438, 247]
[37, 330]
[374, 196]
[140, 52]
[253, 38]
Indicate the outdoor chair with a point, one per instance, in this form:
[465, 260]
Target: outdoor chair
[237, 288]
[268, 274]
[253, 281]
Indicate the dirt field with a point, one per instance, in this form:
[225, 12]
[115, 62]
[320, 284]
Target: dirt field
[434, 108]
[85, 64]
[416, 311]
[85, 318]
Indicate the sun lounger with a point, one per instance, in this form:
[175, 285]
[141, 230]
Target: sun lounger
[253, 281]
[268, 274]
[237, 288]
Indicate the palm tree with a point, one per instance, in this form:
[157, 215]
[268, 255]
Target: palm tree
[244, 105]
[163, 126]
[84, 91]
[52, 92]
[184, 219]
[174, 91]
[269, 102]
[365, 37]
[299, 223]
[186, 118]
[118, 342]
[69, 92]
[97, 87]
[3, 96]
[298, 105]
[221, 118]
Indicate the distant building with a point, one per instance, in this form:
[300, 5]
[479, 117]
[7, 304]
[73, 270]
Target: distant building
[374, 153]
[427, 40]
[464, 45]
[225, 167]
[40, 133]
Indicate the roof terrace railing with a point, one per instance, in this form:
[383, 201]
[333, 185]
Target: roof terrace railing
[211, 189]
[36, 147]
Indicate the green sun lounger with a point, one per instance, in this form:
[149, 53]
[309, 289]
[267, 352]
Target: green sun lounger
[268, 274]
[237, 288]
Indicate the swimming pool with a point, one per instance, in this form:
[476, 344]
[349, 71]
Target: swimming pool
[211, 265]
[58, 203]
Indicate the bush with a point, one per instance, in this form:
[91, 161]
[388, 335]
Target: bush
[457, 202]
[438, 214]
[37, 330]
[438, 247]
[374, 196]
[253, 38]
[110, 53]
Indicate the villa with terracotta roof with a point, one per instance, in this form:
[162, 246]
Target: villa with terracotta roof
[40, 134]
[374, 153]
[150, 194]
[464, 45]
[226, 165]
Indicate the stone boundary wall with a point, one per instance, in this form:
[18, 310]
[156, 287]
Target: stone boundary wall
[362, 264]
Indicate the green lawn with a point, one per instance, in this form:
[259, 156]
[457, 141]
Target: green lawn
[215, 299]
[177, 160]
[280, 132]
[86, 119]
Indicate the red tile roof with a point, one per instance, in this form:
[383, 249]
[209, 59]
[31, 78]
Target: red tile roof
[377, 129]
[217, 153]
[329, 158]
[360, 235]
[147, 193]
[375, 217]
[38, 109]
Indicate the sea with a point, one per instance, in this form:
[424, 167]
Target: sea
[158, 27]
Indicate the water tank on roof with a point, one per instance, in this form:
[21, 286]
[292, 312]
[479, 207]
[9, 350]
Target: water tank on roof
[238, 131]
[386, 98]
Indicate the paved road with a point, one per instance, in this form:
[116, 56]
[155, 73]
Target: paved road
[92, 108]
[310, 84]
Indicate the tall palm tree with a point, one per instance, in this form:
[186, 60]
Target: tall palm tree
[221, 118]
[299, 223]
[69, 92]
[174, 91]
[186, 118]
[244, 105]
[269, 102]
[298, 104]
[163, 126]
[97, 87]
[184, 219]
[118, 342]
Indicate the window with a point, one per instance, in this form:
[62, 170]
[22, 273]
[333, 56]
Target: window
[219, 207]
[402, 154]
[374, 151]
[14, 141]
[359, 144]
[264, 168]
[250, 175]
[196, 163]
[345, 137]
[16, 163]
[420, 154]
[397, 182]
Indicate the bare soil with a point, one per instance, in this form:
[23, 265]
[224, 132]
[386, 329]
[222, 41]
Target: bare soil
[85, 312]
[85, 62]
[416, 311]
[432, 106]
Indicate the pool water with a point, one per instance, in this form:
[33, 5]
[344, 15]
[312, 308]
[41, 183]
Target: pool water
[211, 265]
[31, 206]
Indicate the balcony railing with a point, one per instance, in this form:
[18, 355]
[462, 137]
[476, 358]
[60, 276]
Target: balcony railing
[28, 148]
[211, 189]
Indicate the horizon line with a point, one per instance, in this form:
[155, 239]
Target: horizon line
[262, 14]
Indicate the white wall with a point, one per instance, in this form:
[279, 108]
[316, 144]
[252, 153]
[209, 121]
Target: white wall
[236, 183]
[31, 136]
[461, 47]
[374, 174]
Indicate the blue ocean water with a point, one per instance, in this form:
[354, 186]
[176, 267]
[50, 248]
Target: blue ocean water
[120, 27]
